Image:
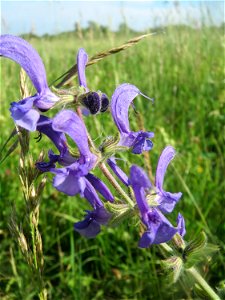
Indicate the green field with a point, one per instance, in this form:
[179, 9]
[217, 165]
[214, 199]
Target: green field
[183, 70]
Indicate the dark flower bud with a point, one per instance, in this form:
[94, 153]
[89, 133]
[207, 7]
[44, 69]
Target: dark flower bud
[92, 102]
[104, 103]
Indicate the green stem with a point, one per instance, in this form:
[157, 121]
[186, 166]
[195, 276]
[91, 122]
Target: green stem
[115, 184]
[197, 276]
[204, 285]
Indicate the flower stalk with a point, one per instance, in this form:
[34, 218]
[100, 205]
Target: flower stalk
[192, 272]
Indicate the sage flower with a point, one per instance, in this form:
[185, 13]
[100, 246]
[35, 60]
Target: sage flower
[154, 201]
[121, 100]
[71, 179]
[94, 102]
[26, 112]
[91, 225]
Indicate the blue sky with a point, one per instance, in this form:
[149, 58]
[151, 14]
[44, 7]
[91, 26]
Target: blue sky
[56, 16]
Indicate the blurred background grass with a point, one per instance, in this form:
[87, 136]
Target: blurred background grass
[183, 70]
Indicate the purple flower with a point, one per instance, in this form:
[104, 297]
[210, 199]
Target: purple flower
[121, 100]
[153, 203]
[94, 102]
[91, 225]
[71, 179]
[44, 126]
[24, 112]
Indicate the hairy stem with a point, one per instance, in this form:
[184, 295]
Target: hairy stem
[115, 184]
[196, 275]
[204, 285]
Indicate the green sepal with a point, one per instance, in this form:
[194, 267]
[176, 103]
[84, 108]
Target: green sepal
[151, 199]
[174, 267]
[74, 152]
[116, 208]
[197, 250]
[120, 212]
[110, 146]
[109, 143]
[178, 243]
[67, 96]
[195, 245]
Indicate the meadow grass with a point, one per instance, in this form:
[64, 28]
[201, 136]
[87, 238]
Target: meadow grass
[183, 70]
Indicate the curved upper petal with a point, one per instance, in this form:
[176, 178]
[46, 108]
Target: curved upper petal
[121, 100]
[166, 200]
[165, 158]
[70, 123]
[82, 59]
[27, 57]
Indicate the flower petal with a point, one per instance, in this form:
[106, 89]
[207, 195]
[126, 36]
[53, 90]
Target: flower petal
[100, 187]
[139, 178]
[58, 138]
[166, 200]
[117, 171]
[69, 180]
[82, 59]
[88, 227]
[121, 100]
[160, 230]
[26, 56]
[91, 195]
[47, 166]
[139, 141]
[69, 122]
[165, 158]
[181, 225]
[24, 115]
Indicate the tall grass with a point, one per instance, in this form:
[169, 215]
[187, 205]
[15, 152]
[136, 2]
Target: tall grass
[183, 70]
